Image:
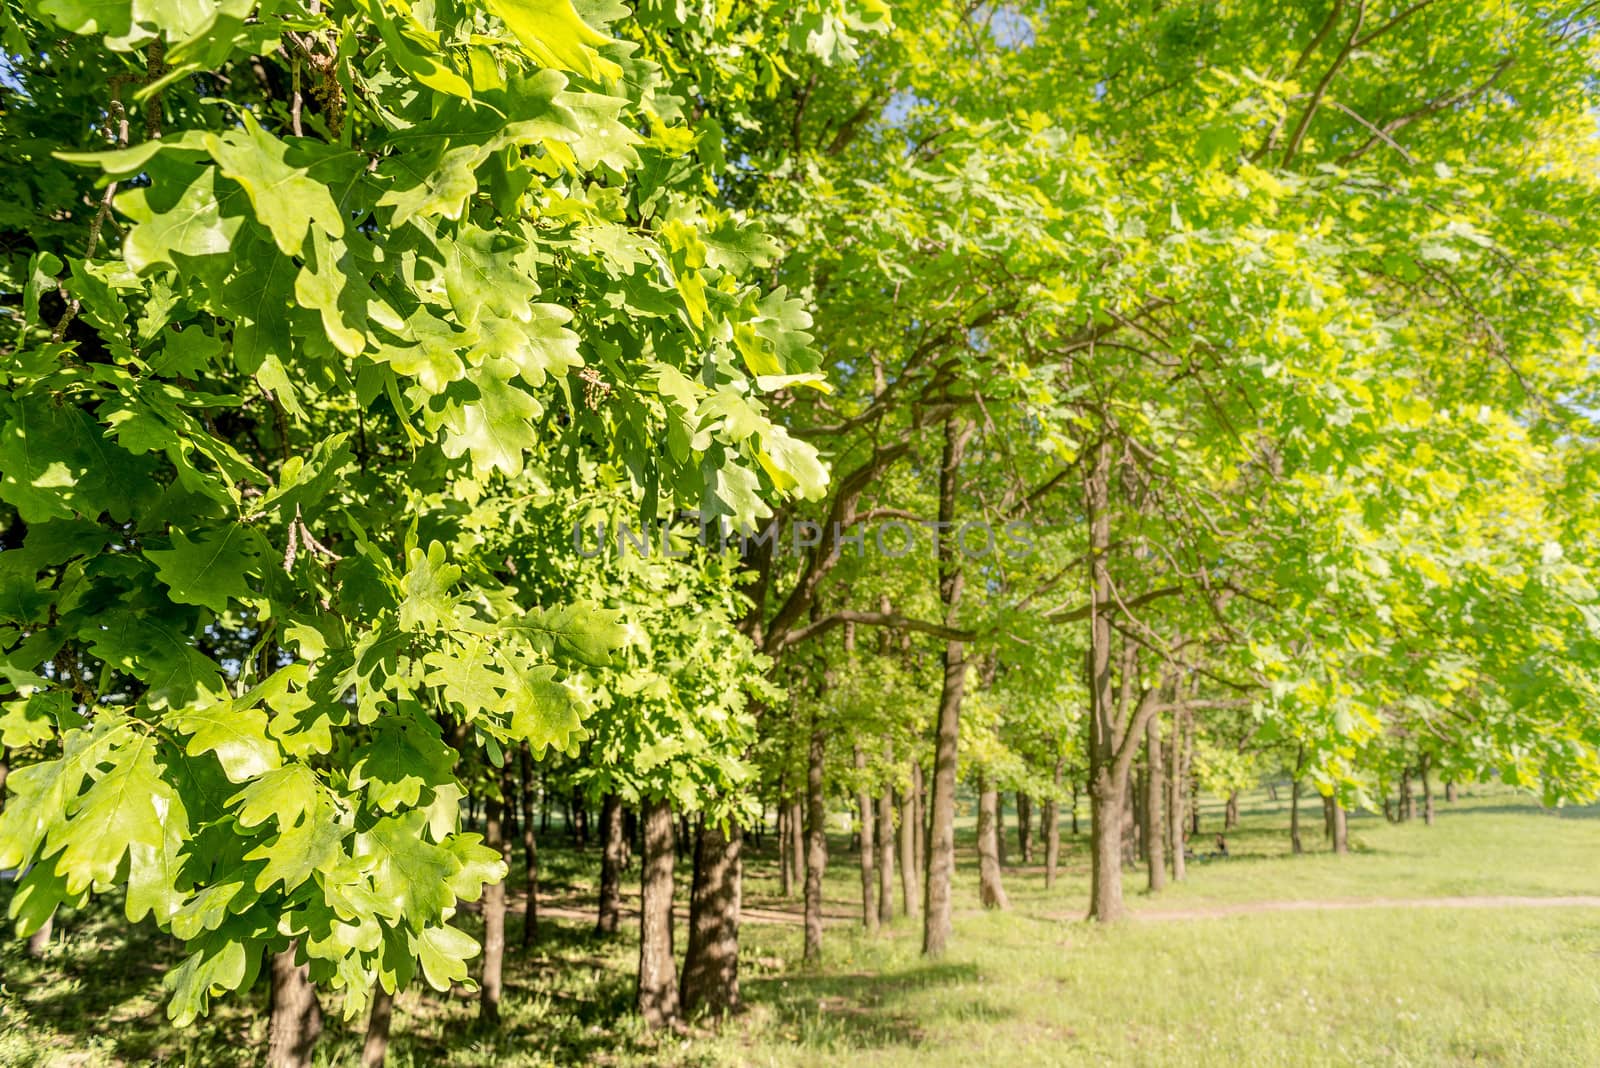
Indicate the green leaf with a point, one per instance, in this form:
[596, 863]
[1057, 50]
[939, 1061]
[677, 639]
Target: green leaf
[154, 870]
[38, 894]
[31, 720]
[179, 217]
[497, 428]
[399, 764]
[426, 588]
[288, 794]
[238, 737]
[113, 18]
[409, 874]
[428, 69]
[56, 463]
[581, 631]
[793, 464]
[125, 806]
[293, 855]
[443, 953]
[158, 652]
[330, 283]
[543, 711]
[221, 960]
[538, 344]
[286, 198]
[485, 270]
[213, 570]
[555, 35]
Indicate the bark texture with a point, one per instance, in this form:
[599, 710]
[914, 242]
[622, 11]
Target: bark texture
[39, 941]
[797, 842]
[941, 845]
[1155, 799]
[886, 845]
[866, 814]
[494, 918]
[1176, 776]
[294, 1016]
[711, 964]
[658, 974]
[1051, 830]
[816, 844]
[1295, 845]
[613, 845]
[906, 839]
[785, 854]
[530, 852]
[991, 889]
[375, 1050]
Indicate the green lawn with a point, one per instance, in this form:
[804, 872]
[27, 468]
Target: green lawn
[1389, 986]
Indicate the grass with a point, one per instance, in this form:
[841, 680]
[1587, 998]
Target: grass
[1390, 986]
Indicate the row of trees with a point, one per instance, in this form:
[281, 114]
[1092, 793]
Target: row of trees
[1066, 397]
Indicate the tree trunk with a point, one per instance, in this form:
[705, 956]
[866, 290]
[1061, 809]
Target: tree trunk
[1295, 846]
[1327, 818]
[941, 844]
[1194, 784]
[816, 843]
[580, 820]
[658, 974]
[376, 1048]
[786, 880]
[494, 917]
[1408, 801]
[294, 1017]
[1427, 790]
[530, 852]
[905, 837]
[991, 891]
[1176, 777]
[1025, 827]
[1135, 849]
[869, 871]
[1272, 792]
[1129, 823]
[39, 941]
[1110, 762]
[544, 800]
[711, 967]
[797, 843]
[1450, 792]
[1155, 798]
[611, 842]
[1341, 830]
[885, 828]
[1230, 816]
[919, 829]
[1075, 831]
[1000, 828]
[1052, 831]
[1106, 806]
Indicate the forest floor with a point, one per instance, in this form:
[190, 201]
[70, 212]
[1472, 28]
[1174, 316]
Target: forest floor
[1426, 946]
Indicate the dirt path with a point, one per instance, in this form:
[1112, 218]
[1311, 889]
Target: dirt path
[1248, 908]
[568, 908]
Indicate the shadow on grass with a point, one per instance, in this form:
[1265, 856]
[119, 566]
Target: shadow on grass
[859, 1010]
